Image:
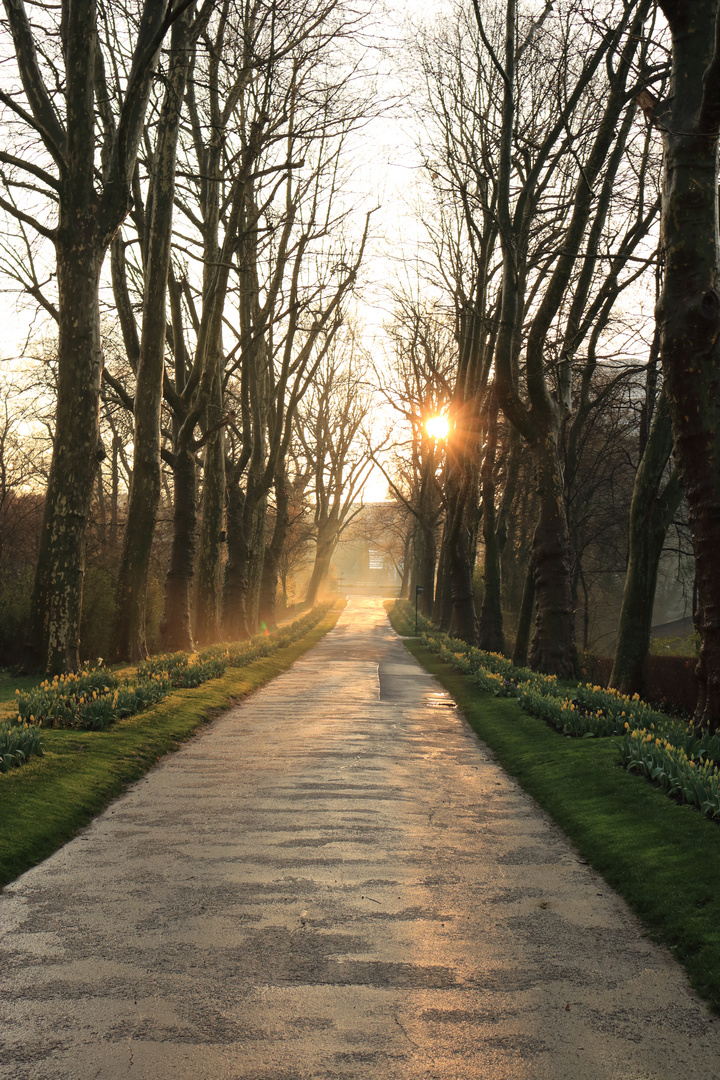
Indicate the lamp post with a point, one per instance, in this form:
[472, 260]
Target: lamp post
[418, 590]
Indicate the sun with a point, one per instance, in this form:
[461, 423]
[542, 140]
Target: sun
[437, 427]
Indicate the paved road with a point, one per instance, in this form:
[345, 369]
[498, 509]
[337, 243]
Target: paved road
[335, 881]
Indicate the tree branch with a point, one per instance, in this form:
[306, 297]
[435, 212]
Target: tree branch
[20, 215]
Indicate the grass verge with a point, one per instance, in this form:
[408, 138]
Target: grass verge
[663, 858]
[45, 803]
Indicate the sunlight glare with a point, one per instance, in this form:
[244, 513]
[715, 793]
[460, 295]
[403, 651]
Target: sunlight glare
[437, 427]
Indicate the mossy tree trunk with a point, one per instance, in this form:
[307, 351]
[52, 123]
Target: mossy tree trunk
[58, 588]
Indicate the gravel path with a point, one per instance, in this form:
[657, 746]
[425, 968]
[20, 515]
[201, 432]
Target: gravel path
[336, 881]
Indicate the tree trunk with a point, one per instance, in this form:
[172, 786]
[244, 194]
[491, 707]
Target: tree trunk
[208, 608]
[235, 624]
[273, 552]
[58, 588]
[443, 601]
[114, 495]
[144, 498]
[257, 559]
[651, 513]
[553, 648]
[525, 618]
[208, 605]
[426, 568]
[461, 557]
[176, 626]
[324, 550]
[689, 309]
[491, 632]
[406, 566]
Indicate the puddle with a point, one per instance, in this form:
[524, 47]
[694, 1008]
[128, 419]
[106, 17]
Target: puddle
[440, 701]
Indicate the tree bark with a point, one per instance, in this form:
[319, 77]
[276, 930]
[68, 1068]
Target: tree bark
[553, 648]
[273, 552]
[491, 633]
[689, 308]
[651, 513]
[256, 562]
[328, 534]
[144, 497]
[208, 606]
[58, 588]
[176, 626]
[235, 625]
[525, 618]
[461, 547]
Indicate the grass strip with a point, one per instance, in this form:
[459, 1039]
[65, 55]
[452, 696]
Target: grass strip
[662, 857]
[46, 802]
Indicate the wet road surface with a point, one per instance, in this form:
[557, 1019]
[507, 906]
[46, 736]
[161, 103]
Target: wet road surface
[335, 881]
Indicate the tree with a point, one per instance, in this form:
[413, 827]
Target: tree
[330, 430]
[689, 307]
[418, 389]
[90, 143]
[148, 353]
[655, 500]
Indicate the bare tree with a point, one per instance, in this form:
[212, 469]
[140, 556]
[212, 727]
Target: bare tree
[557, 169]
[330, 430]
[81, 186]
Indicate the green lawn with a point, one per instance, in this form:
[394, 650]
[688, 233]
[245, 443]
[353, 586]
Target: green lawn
[45, 802]
[662, 857]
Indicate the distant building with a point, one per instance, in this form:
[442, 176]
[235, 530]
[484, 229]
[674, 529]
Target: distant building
[363, 561]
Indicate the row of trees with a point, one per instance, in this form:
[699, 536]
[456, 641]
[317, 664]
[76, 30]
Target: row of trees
[185, 164]
[176, 177]
[542, 142]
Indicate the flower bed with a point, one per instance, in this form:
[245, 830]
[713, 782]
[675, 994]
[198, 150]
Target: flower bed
[90, 701]
[93, 700]
[666, 751]
[18, 742]
[182, 669]
[691, 776]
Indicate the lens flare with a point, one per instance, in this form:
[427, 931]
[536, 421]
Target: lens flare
[438, 427]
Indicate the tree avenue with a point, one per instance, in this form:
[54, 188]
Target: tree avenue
[204, 406]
